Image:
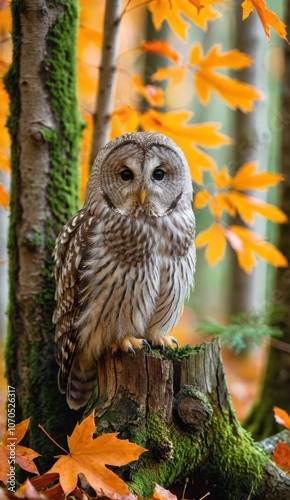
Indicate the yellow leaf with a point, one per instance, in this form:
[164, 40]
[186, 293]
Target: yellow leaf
[188, 137]
[89, 456]
[215, 240]
[247, 206]
[255, 244]
[153, 95]
[174, 11]
[4, 197]
[236, 94]
[267, 17]
[124, 119]
[248, 178]
[201, 198]
[163, 48]
[175, 75]
[220, 202]
[222, 179]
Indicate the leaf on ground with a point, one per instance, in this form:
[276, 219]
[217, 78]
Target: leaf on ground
[153, 95]
[267, 17]
[281, 456]
[282, 417]
[214, 239]
[27, 490]
[162, 48]
[163, 494]
[176, 11]
[189, 137]
[89, 457]
[248, 178]
[236, 94]
[4, 197]
[23, 456]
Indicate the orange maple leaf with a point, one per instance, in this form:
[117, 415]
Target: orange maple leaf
[215, 241]
[162, 48]
[188, 137]
[4, 197]
[236, 94]
[247, 206]
[174, 74]
[246, 243]
[163, 494]
[281, 456]
[267, 17]
[153, 95]
[248, 178]
[89, 456]
[174, 11]
[282, 417]
[124, 119]
[11, 452]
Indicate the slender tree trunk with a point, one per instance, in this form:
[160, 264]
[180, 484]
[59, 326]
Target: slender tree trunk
[250, 39]
[177, 406]
[45, 130]
[276, 383]
[107, 76]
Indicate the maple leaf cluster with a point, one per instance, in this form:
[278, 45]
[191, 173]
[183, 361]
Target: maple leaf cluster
[205, 71]
[84, 463]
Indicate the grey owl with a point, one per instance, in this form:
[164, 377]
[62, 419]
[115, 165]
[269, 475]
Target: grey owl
[125, 261]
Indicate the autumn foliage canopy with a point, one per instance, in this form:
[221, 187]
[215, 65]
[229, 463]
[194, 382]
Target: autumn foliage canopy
[228, 195]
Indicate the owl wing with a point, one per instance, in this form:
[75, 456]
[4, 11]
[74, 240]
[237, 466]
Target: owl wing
[70, 252]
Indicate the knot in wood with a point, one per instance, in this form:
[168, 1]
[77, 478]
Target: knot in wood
[191, 411]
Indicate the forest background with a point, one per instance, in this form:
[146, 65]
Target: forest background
[214, 147]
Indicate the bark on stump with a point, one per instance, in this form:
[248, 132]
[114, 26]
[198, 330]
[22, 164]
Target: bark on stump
[177, 406]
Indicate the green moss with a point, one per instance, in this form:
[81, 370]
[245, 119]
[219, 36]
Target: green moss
[235, 459]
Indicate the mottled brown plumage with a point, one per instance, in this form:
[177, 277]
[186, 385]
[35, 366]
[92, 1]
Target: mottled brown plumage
[125, 261]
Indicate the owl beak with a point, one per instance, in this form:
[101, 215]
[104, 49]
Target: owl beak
[142, 196]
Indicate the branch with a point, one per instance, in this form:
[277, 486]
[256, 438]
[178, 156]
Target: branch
[107, 76]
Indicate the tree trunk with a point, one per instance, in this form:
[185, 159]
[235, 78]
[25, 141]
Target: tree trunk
[177, 406]
[107, 76]
[250, 38]
[276, 383]
[45, 130]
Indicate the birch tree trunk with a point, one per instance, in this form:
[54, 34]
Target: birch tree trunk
[45, 131]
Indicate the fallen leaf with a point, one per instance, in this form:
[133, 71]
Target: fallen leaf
[11, 452]
[282, 417]
[89, 456]
[163, 494]
[281, 456]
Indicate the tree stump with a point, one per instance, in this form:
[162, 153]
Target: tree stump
[176, 404]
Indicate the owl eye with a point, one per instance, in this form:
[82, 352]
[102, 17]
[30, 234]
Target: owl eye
[127, 174]
[158, 174]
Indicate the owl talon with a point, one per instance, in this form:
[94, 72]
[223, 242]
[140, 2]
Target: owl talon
[131, 352]
[146, 344]
[163, 342]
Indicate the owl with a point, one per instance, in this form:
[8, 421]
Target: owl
[125, 262]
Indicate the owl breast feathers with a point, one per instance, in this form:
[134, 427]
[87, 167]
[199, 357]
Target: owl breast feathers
[125, 261]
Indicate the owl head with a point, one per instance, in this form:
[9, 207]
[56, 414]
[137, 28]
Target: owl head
[140, 174]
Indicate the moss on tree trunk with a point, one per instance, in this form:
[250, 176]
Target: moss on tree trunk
[177, 406]
[45, 129]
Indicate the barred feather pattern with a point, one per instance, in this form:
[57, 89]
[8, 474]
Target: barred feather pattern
[121, 268]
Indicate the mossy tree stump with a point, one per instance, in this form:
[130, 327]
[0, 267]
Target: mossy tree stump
[177, 406]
